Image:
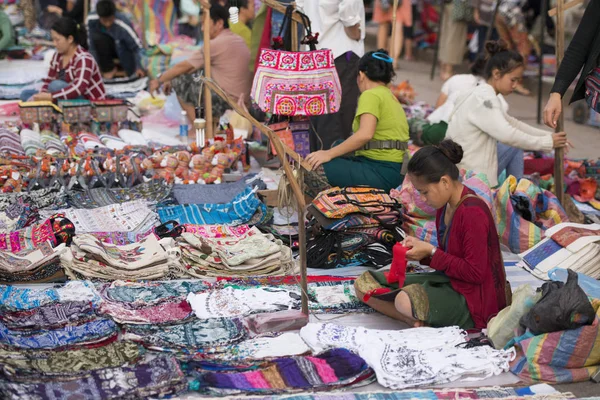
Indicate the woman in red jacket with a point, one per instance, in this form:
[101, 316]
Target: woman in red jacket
[468, 287]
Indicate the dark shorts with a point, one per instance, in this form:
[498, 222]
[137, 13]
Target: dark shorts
[433, 299]
[188, 90]
[409, 31]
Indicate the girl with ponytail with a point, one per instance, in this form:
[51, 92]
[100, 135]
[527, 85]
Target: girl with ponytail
[468, 287]
[492, 140]
[73, 71]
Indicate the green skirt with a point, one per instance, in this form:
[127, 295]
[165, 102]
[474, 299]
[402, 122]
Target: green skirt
[433, 299]
[363, 171]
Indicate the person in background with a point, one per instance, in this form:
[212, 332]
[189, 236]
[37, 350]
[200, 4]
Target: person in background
[7, 31]
[483, 14]
[341, 27]
[432, 130]
[409, 31]
[73, 71]
[111, 38]
[453, 38]
[382, 15]
[582, 55]
[468, 287]
[512, 28]
[229, 59]
[246, 15]
[380, 139]
[54, 9]
[491, 139]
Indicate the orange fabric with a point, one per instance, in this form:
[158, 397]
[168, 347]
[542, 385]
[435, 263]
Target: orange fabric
[403, 14]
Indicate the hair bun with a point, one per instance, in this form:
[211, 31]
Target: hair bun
[494, 47]
[452, 150]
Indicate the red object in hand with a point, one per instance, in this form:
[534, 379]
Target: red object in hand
[375, 292]
[398, 270]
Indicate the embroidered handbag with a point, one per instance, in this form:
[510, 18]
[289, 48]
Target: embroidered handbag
[301, 137]
[76, 111]
[54, 230]
[297, 83]
[592, 90]
[110, 110]
[462, 11]
[38, 111]
[339, 202]
[283, 131]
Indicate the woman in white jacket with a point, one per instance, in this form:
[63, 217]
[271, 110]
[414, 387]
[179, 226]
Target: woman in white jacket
[492, 140]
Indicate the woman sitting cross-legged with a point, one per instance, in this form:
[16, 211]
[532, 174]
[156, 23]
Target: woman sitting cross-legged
[380, 139]
[73, 71]
[468, 287]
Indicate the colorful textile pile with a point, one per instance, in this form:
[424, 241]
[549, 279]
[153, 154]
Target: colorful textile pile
[567, 246]
[524, 212]
[560, 357]
[353, 226]
[238, 298]
[329, 370]
[252, 253]
[37, 265]
[412, 357]
[90, 258]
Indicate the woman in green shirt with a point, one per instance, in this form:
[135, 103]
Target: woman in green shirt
[380, 138]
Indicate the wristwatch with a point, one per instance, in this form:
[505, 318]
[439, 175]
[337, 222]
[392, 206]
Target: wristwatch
[433, 251]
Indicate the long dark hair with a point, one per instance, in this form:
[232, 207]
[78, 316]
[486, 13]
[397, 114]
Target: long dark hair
[432, 162]
[66, 27]
[500, 58]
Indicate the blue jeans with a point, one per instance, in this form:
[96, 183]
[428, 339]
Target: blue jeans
[53, 86]
[511, 160]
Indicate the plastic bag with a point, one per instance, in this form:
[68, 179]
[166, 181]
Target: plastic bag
[501, 328]
[590, 286]
[563, 306]
[172, 108]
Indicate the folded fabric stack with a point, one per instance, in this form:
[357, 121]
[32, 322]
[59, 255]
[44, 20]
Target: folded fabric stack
[237, 212]
[239, 297]
[132, 216]
[329, 370]
[251, 254]
[90, 258]
[154, 191]
[39, 265]
[359, 226]
[568, 246]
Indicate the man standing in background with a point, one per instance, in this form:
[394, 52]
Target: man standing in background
[341, 28]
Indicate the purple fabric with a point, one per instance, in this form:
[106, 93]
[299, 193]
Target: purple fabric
[291, 373]
[344, 363]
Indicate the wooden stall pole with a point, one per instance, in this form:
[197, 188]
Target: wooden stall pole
[541, 66]
[208, 112]
[567, 6]
[300, 203]
[143, 22]
[86, 10]
[488, 33]
[296, 190]
[437, 40]
[393, 39]
[559, 154]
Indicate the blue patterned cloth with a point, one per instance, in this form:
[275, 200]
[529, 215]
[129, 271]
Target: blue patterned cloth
[69, 335]
[18, 299]
[237, 212]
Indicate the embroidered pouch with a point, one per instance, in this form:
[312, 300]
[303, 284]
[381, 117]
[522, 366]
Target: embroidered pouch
[38, 111]
[76, 111]
[592, 90]
[110, 110]
[297, 83]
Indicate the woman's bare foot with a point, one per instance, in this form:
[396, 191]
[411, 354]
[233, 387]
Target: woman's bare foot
[110, 74]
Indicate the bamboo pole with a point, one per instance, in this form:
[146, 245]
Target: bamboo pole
[567, 6]
[208, 114]
[541, 66]
[394, 23]
[488, 33]
[86, 10]
[143, 22]
[277, 6]
[559, 154]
